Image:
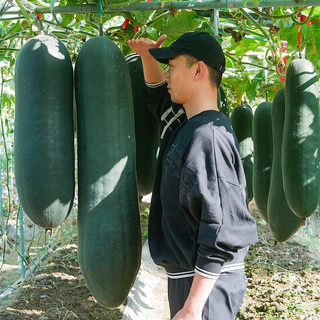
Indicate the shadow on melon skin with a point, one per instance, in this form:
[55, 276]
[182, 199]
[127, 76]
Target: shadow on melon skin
[109, 247]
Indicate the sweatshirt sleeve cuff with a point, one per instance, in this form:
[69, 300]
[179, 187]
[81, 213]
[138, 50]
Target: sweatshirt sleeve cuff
[208, 269]
[154, 85]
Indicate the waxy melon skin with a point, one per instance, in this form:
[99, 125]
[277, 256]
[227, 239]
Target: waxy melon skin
[147, 129]
[283, 223]
[263, 151]
[109, 239]
[241, 120]
[301, 139]
[43, 134]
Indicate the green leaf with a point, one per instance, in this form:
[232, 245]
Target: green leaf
[253, 85]
[247, 44]
[142, 17]
[153, 33]
[205, 27]
[66, 19]
[290, 34]
[251, 92]
[239, 85]
[2, 32]
[180, 23]
[17, 27]
[79, 17]
[311, 53]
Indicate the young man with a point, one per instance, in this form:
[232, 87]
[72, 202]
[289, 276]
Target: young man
[199, 228]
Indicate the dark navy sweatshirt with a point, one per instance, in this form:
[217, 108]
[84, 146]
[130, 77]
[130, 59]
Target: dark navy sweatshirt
[199, 219]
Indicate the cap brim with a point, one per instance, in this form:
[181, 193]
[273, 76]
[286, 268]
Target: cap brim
[163, 55]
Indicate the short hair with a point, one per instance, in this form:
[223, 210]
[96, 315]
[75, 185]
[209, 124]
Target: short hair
[215, 76]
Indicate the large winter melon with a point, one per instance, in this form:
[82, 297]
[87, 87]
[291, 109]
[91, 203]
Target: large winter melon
[301, 138]
[241, 120]
[262, 163]
[283, 223]
[109, 239]
[146, 127]
[43, 134]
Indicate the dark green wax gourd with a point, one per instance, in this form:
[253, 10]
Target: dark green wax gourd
[43, 135]
[241, 120]
[146, 127]
[301, 137]
[282, 221]
[262, 162]
[109, 239]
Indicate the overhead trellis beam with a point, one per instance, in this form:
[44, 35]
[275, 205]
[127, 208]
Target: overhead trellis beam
[176, 5]
[173, 5]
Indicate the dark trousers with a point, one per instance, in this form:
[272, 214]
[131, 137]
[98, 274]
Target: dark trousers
[223, 302]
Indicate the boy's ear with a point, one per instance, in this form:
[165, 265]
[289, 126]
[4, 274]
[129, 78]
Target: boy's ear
[200, 69]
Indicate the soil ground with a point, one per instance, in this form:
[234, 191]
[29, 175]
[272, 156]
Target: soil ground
[283, 283]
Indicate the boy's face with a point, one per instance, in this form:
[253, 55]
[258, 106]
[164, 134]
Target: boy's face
[180, 79]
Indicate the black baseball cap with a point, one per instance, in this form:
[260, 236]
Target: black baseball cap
[200, 45]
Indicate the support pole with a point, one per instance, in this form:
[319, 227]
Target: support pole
[206, 4]
[1, 199]
[21, 258]
[216, 22]
[175, 5]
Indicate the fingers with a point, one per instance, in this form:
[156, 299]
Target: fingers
[148, 42]
[160, 41]
[140, 42]
[137, 43]
[131, 43]
[141, 46]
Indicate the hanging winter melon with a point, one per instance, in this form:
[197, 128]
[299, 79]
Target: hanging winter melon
[43, 136]
[301, 138]
[147, 130]
[109, 241]
[241, 120]
[282, 222]
[263, 150]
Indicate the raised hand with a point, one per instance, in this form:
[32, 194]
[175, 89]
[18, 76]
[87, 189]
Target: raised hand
[141, 46]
